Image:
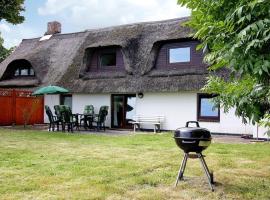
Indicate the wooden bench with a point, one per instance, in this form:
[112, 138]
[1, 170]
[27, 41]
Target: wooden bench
[155, 120]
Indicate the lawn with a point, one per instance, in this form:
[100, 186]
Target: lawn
[43, 165]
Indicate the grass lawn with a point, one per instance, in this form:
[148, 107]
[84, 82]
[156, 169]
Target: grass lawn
[43, 165]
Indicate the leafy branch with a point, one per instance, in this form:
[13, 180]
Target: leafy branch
[237, 37]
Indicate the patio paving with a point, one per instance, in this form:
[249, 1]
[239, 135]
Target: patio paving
[233, 139]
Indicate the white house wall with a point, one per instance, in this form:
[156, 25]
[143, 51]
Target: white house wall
[176, 107]
[50, 100]
[259, 132]
[181, 107]
[97, 100]
[229, 123]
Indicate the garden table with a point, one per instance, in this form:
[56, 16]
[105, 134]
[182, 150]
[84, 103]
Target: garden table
[87, 120]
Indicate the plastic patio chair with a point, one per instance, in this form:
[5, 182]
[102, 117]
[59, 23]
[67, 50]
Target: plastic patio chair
[52, 119]
[57, 112]
[101, 117]
[70, 120]
[88, 114]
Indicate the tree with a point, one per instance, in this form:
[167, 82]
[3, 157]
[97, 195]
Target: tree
[28, 111]
[3, 51]
[10, 10]
[236, 36]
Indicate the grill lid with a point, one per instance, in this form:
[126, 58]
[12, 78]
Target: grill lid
[192, 132]
[192, 139]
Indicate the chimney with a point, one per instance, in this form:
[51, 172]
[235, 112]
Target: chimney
[53, 28]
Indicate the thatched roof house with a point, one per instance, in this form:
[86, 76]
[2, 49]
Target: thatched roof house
[62, 60]
[152, 67]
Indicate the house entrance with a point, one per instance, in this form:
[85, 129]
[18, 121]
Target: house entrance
[123, 109]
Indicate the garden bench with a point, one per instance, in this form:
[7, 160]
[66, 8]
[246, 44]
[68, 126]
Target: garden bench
[155, 120]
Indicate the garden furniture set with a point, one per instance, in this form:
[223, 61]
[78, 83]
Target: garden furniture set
[64, 117]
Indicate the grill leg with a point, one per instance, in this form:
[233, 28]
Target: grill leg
[206, 170]
[182, 169]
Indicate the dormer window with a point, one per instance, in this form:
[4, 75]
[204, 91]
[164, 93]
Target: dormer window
[24, 71]
[179, 55]
[19, 68]
[108, 59]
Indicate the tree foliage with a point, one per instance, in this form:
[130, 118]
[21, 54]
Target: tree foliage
[236, 35]
[3, 51]
[10, 10]
[266, 123]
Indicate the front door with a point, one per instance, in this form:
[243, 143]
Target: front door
[123, 109]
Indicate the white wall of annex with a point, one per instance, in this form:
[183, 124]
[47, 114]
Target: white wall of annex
[50, 100]
[260, 132]
[181, 107]
[176, 107]
[97, 100]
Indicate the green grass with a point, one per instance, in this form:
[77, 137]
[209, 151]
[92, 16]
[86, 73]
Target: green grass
[43, 165]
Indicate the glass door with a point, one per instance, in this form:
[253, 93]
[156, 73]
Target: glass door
[117, 111]
[129, 110]
[123, 110]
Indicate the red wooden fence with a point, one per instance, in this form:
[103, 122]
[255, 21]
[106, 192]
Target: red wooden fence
[18, 106]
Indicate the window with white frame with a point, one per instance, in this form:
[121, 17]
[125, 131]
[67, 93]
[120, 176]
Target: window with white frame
[179, 55]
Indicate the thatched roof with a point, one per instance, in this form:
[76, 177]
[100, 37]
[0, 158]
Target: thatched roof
[61, 60]
[20, 82]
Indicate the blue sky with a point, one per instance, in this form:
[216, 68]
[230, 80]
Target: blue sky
[78, 15]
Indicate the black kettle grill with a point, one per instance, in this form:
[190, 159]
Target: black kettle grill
[193, 139]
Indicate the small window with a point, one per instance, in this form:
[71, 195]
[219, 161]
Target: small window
[24, 71]
[32, 73]
[108, 59]
[207, 111]
[178, 55]
[17, 72]
[18, 68]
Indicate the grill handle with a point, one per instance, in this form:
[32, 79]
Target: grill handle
[195, 122]
[188, 141]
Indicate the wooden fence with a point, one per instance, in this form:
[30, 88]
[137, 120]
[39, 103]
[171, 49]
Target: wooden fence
[19, 107]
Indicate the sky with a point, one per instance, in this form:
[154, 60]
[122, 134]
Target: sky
[79, 15]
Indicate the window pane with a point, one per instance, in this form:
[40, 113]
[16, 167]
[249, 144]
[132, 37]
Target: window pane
[24, 72]
[17, 72]
[108, 59]
[32, 73]
[130, 109]
[179, 55]
[118, 108]
[67, 100]
[207, 108]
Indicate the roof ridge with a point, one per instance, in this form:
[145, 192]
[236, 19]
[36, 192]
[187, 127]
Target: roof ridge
[116, 26]
[139, 23]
